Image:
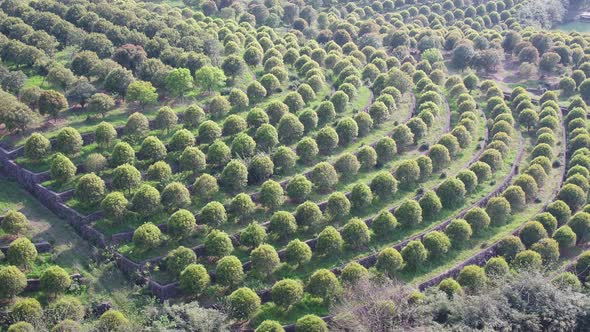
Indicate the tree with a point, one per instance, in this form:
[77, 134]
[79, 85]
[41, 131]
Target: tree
[90, 190]
[329, 242]
[509, 246]
[14, 222]
[253, 235]
[80, 91]
[290, 129]
[282, 224]
[105, 134]
[62, 169]
[430, 204]
[118, 80]
[527, 260]
[414, 254]
[60, 77]
[347, 130]
[137, 125]
[13, 282]
[232, 66]
[298, 188]
[308, 214]
[324, 177]
[451, 192]
[478, 219]
[210, 78]
[181, 224]
[572, 195]
[234, 176]
[472, 278]
[286, 292]
[297, 253]
[27, 310]
[192, 116]
[242, 206]
[21, 252]
[147, 236]
[407, 173]
[37, 147]
[114, 205]
[323, 283]
[213, 214]
[338, 206]
[389, 261]
[219, 106]
[146, 200]
[113, 320]
[311, 323]
[218, 244]
[243, 303]
[142, 92]
[462, 56]
[437, 243]
[565, 237]
[194, 279]
[55, 280]
[409, 213]
[229, 271]
[126, 178]
[69, 141]
[51, 103]
[361, 196]
[384, 185]
[179, 81]
[459, 232]
[264, 260]
[580, 224]
[356, 233]
[270, 326]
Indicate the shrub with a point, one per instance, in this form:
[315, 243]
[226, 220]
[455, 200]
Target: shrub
[194, 279]
[580, 224]
[68, 141]
[229, 271]
[565, 237]
[271, 195]
[472, 278]
[409, 213]
[261, 168]
[218, 244]
[498, 210]
[264, 260]
[440, 157]
[234, 176]
[430, 205]
[383, 224]
[192, 159]
[353, 272]
[329, 242]
[62, 169]
[478, 219]
[548, 249]
[384, 185]
[338, 206]
[509, 246]
[482, 170]
[243, 146]
[469, 179]
[209, 131]
[213, 214]
[527, 260]
[573, 196]
[67, 308]
[95, 163]
[548, 221]
[389, 261]
[516, 197]
[356, 233]
[496, 267]
[347, 165]
[13, 282]
[414, 254]
[311, 323]
[21, 252]
[181, 224]
[324, 177]
[560, 210]
[152, 149]
[451, 192]
[146, 200]
[407, 173]
[147, 236]
[437, 243]
[27, 310]
[323, 283]
[205, 187]
[297, 253]
[178, 259]
[14, 222]
[159, 171]
[55, 280]
[37, 147]
[308, 214]
[113, 320]
[459, 232]
[290, 129]
[286, 292]
[347, 130]
[386, 149]
[282, 224]
[122, 154]
[270, 326]
[243, 303]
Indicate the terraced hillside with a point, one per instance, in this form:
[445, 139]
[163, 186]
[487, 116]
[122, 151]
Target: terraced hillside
[257, 162]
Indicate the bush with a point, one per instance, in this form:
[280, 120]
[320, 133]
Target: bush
[147, 236]
[213, 214]
[482, 170]
[565, 237]
[178, 259]
[528, 185]
[407, 173]
[264, 260]
[113, 320]
[282, 224]
[498, 210]
[323, 283]
[356, 233]
[472, 278]
[192, 159]
[55, 280]
[527, 260]
[297, 253]
[496, 267]
[384, 185]
[430, 205]
[353, 272]
[409, 213]
[548, 249]
[181, 224]
[62, 169]
[478, 219]
[270, 326]
[459, 232]
[509, 246]
[452, 193]
[261, 168]
[516, 197]
[329, 242]
[37, 147]
[548, 221]
[560, 210]
[298, 188]
[437, 243]
[159, 171]
[324, 177]
[308, 214]
[286, 292]
[122, 154]
[271, 195]
[573, 196]
[414, 254]
[580, 224]
[229, 271]
[209, 131]
[347, 165]
[21, 252]
[152, 149]
[27, 310]
[205, 187]
[384, 224]
[440, 157]
[234, 176]
[14, 222]
[311, 323]
[389, 261]
[68, 141]
[67, 308]
[290, 129]
[194, 279]
[218, 244]
[13, 282]
[146, 200]
[243, 146]
[95, 163]
[386, 149]
[347, 130]
[469, 179]
[450, 287]
[21, 327]
[338, 206]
